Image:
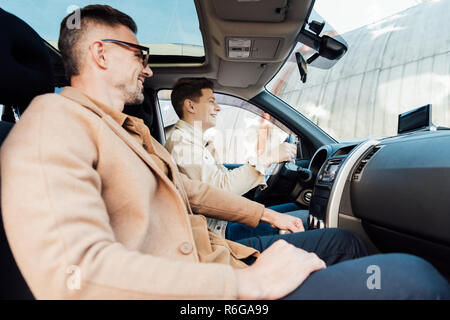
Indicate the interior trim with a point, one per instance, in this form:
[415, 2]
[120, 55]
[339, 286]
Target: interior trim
[346, 216]
[337, 190]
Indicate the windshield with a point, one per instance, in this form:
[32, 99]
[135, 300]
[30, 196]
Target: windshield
[168, 27]
[398, 59]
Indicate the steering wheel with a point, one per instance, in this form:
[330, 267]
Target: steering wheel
[276, 170]
[273, 174]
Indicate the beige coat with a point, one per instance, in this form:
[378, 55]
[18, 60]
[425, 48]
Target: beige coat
[186, 144]
[89, 214]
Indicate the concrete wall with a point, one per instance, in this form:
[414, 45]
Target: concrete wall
[397, 64]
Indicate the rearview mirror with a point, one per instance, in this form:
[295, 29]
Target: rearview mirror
[321, 51]
[331, 48]
[326, 46]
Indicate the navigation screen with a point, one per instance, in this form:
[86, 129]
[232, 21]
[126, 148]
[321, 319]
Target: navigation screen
[416, 119]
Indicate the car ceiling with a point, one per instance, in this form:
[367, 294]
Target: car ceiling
[272, 25]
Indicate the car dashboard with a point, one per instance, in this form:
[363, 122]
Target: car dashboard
[393, 192]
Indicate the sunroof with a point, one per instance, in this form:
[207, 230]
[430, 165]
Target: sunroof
[169, 27]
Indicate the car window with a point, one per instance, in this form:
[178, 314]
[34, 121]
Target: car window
[242, 130]
[398, 59]
[241, 134]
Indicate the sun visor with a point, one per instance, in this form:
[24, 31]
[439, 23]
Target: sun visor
[251, 10]
[249, 73]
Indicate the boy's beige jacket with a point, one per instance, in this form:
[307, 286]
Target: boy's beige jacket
[88, 213]
[187, 147]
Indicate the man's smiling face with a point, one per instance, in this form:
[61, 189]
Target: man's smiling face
[206, 109]
[127, 70]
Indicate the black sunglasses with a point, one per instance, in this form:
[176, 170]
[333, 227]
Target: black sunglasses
[145, 52]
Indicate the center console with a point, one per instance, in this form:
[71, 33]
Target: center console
[322, 191]
[335, 169]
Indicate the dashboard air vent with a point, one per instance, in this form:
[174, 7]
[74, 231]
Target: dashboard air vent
[359, 169]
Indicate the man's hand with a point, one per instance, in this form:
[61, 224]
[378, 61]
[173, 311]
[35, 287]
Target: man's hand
[283, 152]
[278, 271]
[286, 152]
[282, 221]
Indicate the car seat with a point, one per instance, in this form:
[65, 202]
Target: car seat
[27, 71]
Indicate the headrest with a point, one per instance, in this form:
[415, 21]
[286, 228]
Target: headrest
[25, 62]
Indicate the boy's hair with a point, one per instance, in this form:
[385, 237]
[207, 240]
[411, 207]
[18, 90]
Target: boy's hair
[188, 88]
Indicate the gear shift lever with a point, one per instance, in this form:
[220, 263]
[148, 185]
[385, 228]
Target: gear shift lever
[305, 175]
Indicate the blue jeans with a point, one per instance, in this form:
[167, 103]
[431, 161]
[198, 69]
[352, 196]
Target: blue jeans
[350, 274]
[236, 231]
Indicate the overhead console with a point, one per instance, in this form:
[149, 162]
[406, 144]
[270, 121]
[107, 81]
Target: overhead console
[255, 31]
[251, 48]
[251, 38]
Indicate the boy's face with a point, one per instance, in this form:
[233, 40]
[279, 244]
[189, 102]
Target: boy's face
[206, 109]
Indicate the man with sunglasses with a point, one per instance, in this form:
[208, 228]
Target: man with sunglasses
[131, 86]
[105, 199]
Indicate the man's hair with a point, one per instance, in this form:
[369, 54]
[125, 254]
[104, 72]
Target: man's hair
[70, 35]
[188, 88]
